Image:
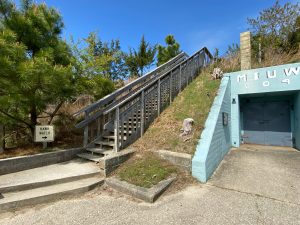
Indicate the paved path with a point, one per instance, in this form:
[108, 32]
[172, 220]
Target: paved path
[62, 170]
[226, 199]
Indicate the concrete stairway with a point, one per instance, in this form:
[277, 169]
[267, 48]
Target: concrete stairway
[47, 183]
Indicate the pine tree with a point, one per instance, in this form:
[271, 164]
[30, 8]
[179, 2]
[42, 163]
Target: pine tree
[35, 63]
[143, 58]
[170, 51]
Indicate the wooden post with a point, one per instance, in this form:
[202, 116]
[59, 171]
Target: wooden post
[158, 97]
[171, 77]
[142, 112]
[245, 39]
[117, 124]
[86, 131]
[1, 138]
[180, 78]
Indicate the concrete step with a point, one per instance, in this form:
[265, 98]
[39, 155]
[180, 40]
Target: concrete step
[91, 157]
[12, 200]
[48, 175]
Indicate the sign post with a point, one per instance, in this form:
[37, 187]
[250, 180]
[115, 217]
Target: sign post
[44, 134]
[1, 138]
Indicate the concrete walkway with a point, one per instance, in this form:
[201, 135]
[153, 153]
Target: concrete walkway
[58, 171]
[236, 194]
[272, 172]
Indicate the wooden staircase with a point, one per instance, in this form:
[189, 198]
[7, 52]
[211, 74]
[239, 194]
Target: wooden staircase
[119, 119]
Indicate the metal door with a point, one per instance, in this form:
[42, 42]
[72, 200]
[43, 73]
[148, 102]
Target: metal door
[267, 123]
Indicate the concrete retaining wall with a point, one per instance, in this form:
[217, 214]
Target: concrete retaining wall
[179, 159]
[111, 162]
[16, 164]
[215, 139]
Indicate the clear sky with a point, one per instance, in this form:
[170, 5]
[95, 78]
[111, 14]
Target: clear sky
[195, 23]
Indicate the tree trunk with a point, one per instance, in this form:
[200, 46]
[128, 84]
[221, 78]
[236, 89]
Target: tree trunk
[33, 120]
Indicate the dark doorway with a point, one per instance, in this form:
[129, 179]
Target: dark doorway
[267, 123]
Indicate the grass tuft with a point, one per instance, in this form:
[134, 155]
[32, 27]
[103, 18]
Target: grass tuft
[146, 171]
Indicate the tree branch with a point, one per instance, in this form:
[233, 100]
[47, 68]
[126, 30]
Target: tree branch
[55, 111]
[15, 118]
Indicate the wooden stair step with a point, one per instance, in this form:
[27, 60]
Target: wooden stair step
[109, 136]
[112, 144]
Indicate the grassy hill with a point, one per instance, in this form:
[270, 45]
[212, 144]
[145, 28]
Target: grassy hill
[193, 102]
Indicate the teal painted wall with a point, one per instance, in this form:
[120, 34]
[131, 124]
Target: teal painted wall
[297, 120]
[215, 139]
[265, 80]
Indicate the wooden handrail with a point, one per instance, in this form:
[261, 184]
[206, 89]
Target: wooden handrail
[105, 100]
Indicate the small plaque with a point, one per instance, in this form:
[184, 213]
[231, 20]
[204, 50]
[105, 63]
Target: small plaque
[44, 134]
[225, 118]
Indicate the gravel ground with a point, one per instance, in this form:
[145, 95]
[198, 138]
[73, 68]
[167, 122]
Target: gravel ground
[197, 204]
[253, 185]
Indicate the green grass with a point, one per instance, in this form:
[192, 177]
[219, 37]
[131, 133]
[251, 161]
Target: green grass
[146, 171]
[193, 102]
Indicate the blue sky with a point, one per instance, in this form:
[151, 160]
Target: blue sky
[195, 24]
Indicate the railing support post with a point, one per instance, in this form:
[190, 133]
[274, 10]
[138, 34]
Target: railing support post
[158, 97]
[117, 124]
[142, 112]
[86, 131]
[171, 77]
[179, 77]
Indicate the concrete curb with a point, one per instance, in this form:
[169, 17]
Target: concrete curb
[28, 186]
[111, 162]
[16, 164]
[145, 194]
[12, 205]
[179, 159]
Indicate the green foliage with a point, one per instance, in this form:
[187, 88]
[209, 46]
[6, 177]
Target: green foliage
[103, 58]
[170, 51]
[232, 50]
[274, 27]
[36, 65]
[96, 67]
[141, 59]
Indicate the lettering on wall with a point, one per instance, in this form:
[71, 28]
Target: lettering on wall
[267, 76]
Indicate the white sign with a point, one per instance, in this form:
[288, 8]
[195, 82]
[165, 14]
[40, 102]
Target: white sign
[269, 75]
[44, 134]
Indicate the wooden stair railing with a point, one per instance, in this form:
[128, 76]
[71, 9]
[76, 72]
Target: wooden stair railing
[119, 119]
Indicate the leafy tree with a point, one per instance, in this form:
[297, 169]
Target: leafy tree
[294, 36]
[35, 63]
[141, 59]
[170, 51]
[273, 26]
[93, 67]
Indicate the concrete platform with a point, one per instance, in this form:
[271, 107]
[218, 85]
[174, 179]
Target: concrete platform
[12, 200]
[47, 183]
[47, 175]
[267, 171]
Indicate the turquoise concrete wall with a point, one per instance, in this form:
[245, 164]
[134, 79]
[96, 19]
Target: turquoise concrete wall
[265, 80]
[297, 120]
[215, 139]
